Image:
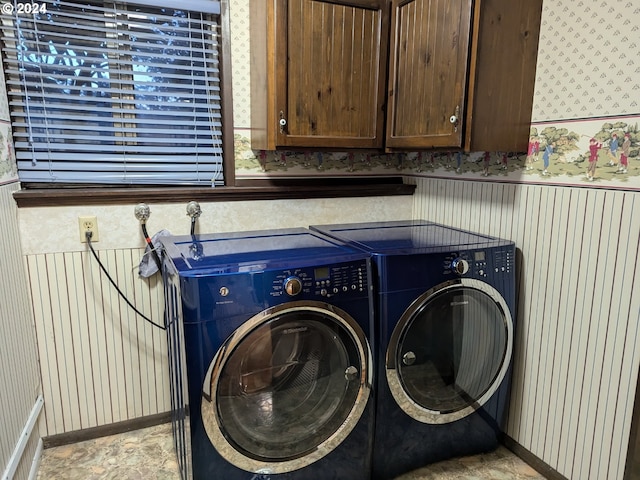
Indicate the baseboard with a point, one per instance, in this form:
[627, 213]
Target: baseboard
[106, 430]
[23, 441]
[534, 462]
[35, 463]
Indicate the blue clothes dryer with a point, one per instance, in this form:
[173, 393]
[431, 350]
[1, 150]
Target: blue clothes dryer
[270, 359]
[445, 314]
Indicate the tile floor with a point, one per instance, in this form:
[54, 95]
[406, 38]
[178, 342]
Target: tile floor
[148, 454]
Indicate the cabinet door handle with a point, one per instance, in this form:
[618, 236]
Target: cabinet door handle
[454, 118]
[282, 122]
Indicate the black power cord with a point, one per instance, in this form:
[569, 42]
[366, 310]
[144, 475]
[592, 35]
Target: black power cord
[154, 254]
[104, 270]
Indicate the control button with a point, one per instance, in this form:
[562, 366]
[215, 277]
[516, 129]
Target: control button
[323, 292]
[460, 266]
[345, 288]
[293, 286]
[335, 290]
[224, 291]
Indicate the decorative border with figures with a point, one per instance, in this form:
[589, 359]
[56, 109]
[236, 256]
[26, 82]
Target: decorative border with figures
[603, 152]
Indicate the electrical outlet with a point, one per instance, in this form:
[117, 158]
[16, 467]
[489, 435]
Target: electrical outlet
[88, 224]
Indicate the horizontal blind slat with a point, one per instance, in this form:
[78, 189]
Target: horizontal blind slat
[130, 165]
[15, 72]
[144, 50]
[204, 6]
[176, 178]
[81, 13]
[116, 134]
[88, 126]
[58, 158]
[62, 112]
[132, 96]
[129, 149]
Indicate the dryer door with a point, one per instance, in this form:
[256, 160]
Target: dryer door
[450, 351]
[287, 387]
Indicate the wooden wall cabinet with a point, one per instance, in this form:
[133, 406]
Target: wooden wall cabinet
[428, 64]
[398, 75]
[318, 73]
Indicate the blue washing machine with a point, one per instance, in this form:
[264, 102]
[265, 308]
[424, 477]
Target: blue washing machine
[270, 339]
[445, 314]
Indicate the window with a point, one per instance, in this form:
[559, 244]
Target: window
[116, 93]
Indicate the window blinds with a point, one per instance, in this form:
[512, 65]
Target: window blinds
[116, 93]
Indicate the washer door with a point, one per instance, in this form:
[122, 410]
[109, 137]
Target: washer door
[450, 351]
[287, 387]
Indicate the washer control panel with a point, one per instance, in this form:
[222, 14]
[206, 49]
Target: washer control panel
[340, 280]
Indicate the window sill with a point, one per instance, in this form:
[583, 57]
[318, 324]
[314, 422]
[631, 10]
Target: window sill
[257, 190]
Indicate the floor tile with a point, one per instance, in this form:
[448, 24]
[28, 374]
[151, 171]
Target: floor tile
[149, 454]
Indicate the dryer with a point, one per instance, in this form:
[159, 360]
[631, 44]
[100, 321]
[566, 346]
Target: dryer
[270, 338]
[445, 314]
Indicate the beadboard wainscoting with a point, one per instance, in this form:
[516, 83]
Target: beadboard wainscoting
[101, 363]
[19, 379]
[576, 354]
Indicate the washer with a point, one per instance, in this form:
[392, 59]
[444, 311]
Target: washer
[269, 347]
[445, 313]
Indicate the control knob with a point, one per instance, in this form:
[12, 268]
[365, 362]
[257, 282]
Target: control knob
[293, 286]
[460, 266]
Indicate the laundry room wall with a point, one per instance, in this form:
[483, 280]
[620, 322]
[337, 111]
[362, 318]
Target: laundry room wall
[576, 353]
[21, 398]
[576, 356]
[20, 393]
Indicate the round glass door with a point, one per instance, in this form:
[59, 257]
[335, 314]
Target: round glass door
[287, 387]
[450, 351]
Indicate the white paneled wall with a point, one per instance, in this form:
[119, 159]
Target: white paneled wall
[576, 356]
[101, 363]
[19, 379]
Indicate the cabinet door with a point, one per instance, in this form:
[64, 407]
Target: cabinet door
[427, 73]
[504, 52]
[330, 73]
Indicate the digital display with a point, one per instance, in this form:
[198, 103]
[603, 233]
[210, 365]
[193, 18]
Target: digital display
[321, 273]
[479, 256]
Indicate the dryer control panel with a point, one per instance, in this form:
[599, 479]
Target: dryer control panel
[479, 263]
[342, 280]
